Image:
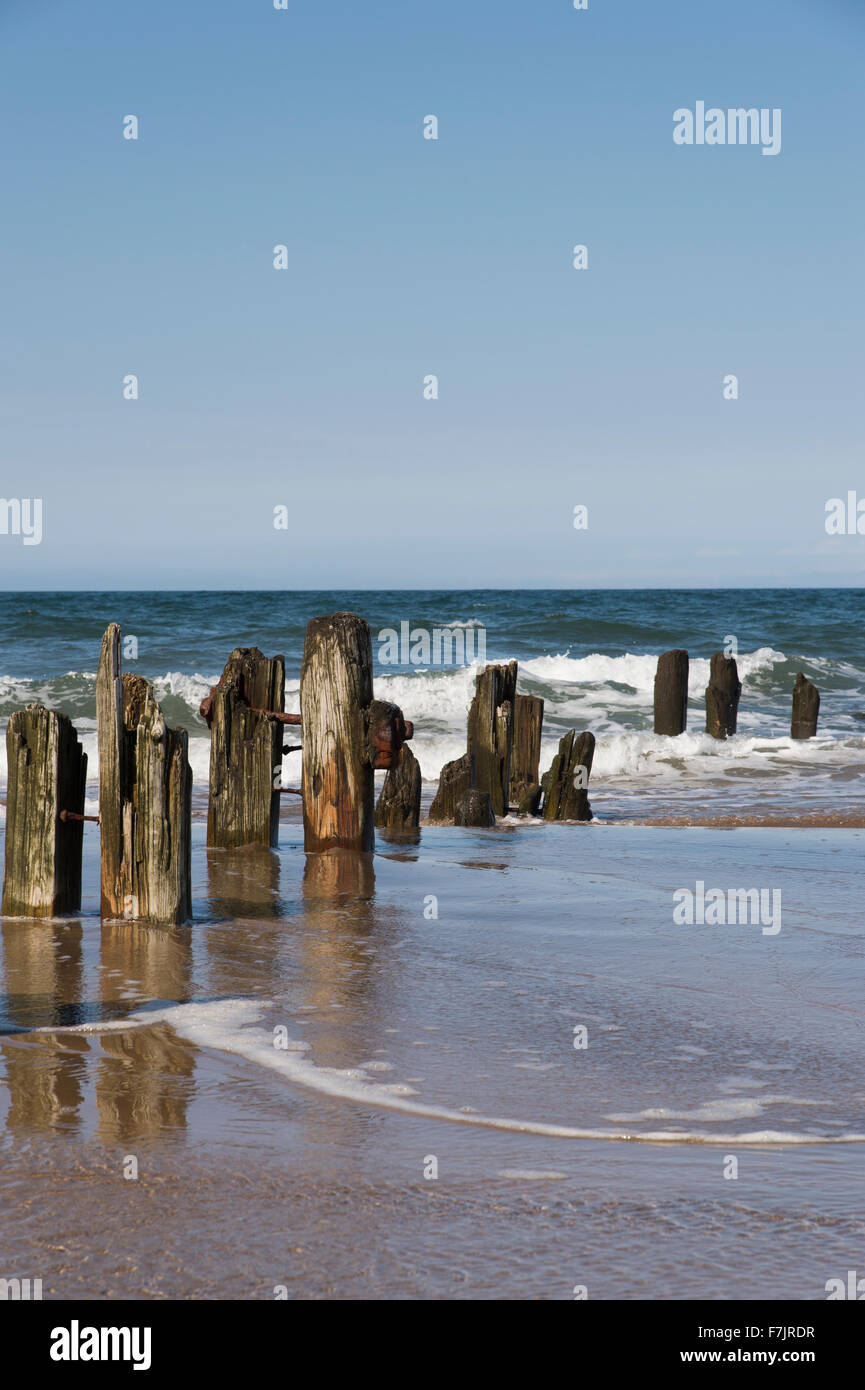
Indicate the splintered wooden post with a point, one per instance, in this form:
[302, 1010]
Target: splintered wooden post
[145, 799]
[399, 801]
[47, 771]
[346, 734]
[671, 693]
[490, 733]
[455, 778]
[245, 750]
[722, 696]
[335, 696]
[526, 753]
[566, 795]
[806, 708]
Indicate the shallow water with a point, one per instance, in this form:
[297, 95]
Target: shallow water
[410, 1037]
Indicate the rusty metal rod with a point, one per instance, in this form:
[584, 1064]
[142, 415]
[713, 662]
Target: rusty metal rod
[76, 815]
[282, 718]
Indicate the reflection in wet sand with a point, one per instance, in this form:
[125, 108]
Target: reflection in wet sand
[399, 839]
[143, 1078]
[243, 883]
[248, 936]
[42, 984]
[338, 924]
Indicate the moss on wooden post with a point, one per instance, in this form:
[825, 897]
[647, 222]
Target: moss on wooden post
[566, 795]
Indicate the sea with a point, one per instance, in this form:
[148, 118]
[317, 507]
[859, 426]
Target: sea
[590, 654]
[475, 1064]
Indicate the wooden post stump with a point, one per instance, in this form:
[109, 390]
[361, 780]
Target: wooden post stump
[526, 752]
[47, 771]
[456, 778]
[474, 808]
[563, 800]
[399, 802]
[145, 799]
[490, 733]
[806, 708]
[671, 693]
[346, 734]
[530, 801]
[246, 751]
[722, 696]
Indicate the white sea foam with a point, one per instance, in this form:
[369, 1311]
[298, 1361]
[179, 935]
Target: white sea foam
[638, 671]
[611, 695]
[228, 1025]
[191, 689]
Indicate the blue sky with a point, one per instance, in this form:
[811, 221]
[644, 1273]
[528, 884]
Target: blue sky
[304, 387]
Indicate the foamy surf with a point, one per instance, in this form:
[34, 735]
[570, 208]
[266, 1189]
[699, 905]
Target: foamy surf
[609, 694]
[228, 1025]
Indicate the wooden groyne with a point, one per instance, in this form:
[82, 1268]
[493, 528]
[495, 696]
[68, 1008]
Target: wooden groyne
[498, 773]
[346, 735]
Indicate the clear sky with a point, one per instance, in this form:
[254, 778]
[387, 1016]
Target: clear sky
[409, 257]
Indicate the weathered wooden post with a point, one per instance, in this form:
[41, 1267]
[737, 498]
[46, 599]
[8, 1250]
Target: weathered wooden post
[145, 799]
[474, 808]
[806, 708]
[47, 771]
[722, 696]
[530, 802]
[345, 734]
[455, 778]
[671, 693]
[490, 733]
[398, 805]
[245, 750]
[566, 795]
[526, 752]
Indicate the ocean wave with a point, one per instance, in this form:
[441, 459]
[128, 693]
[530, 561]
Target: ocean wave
[611, 695]
[638, 672]
[229, 1025]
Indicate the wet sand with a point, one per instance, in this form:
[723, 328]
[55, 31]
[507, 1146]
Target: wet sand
[410, 1037]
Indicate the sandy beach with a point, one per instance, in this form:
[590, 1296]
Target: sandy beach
[317, 1040]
